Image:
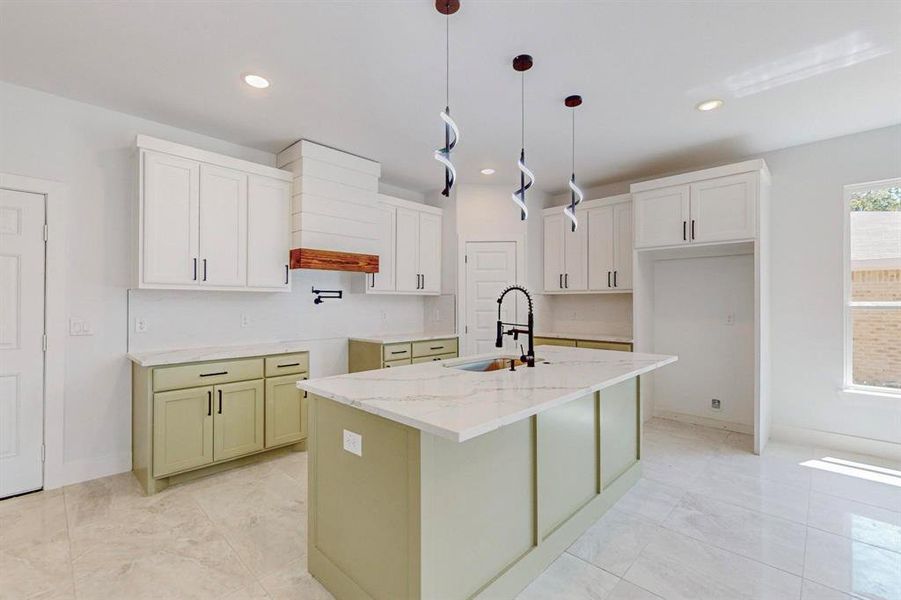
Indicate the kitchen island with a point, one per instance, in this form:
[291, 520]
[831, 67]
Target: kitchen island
[452, 480]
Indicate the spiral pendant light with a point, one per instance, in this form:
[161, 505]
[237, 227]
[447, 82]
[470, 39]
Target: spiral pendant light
[523, 63]
[451, 131]
[575, 194]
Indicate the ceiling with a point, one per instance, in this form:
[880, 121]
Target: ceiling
[368, 77]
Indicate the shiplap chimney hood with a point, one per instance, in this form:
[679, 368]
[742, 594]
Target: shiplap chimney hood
[334, 213]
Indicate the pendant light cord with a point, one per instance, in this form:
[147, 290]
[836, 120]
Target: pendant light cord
[574, 140]
[447, 57]
[522, 100]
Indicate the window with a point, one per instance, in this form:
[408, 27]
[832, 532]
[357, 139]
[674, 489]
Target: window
[873, 286]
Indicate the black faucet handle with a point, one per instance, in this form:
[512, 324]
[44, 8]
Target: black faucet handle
[512, 364]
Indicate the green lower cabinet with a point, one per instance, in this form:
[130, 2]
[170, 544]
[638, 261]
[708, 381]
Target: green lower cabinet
[540, 341]
[616, 346]
[238, 419]
[182, 430]
[286, 410]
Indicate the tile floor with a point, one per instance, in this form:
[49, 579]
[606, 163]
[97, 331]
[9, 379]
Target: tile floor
[709, 520]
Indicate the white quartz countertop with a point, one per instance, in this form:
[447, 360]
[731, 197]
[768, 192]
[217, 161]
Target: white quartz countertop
[156, 358]
[592, 337]
[460, 405]
[403, 337]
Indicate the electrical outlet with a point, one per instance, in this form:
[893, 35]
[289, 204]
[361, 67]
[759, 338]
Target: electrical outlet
[715, 404]
[353, 442]
[245, 320]
[140, 325]
[80, 327]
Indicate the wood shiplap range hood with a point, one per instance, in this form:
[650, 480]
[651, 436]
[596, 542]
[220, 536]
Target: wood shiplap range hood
[334, 213]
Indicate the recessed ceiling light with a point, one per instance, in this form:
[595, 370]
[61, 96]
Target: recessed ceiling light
[487, 171]
[256, 81]
[709, 105]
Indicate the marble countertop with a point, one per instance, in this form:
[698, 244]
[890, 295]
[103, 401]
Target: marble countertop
[403, 337]
[156, 358]
[592, 337]
[460, 405]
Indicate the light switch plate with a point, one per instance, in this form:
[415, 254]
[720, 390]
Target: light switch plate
[79, 327]
[353, 442]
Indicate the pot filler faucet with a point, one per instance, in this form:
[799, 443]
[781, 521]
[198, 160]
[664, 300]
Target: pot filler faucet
[515, 328]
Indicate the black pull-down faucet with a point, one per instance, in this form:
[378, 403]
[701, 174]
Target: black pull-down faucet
[528, 357]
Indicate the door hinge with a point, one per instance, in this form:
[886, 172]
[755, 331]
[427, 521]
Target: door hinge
[466, 329]
[44, 342]
[465, 258]
[43, 453]
[46, 232]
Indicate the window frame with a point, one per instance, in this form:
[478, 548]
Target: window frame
[847, 303]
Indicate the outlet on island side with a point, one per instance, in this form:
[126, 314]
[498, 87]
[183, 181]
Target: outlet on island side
[715, 404]
[353, 442]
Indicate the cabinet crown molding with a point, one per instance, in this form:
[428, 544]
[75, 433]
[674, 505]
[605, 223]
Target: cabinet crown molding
[146, 142]
[747, 166]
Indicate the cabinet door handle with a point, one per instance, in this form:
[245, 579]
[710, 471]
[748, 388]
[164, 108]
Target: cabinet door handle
[209, 403]
[684, 234]
[204, 269]
[614, 279]
[214, 374]
[692, 229]
[195, 269]
[297, 364]
[566, 280]
[372, 285]
[220, 401]
[561, 281]
[286, 274]
[423, 281]
[608, 279]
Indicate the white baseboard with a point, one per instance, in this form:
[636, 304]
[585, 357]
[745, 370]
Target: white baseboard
[837, 441]
[77, 471]
[704, 421]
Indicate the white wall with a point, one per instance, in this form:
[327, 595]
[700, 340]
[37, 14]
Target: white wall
[693, 301]
[92, 151]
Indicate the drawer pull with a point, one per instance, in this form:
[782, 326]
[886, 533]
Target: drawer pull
[435, 347]
[297, 364]
[214, 374]
[399, 352]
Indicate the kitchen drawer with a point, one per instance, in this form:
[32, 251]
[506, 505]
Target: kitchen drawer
[287, 364]
[619, 347]
[434, 347]
[396, 351]
[397, 363]
[211, 373]
[423, 359]
[540, 341]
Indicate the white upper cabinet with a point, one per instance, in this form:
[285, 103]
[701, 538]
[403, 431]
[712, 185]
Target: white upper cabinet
[430, 252]
[724, 208]
[410, 254]
[223, 227]
[661, 217]
[554, 263]
[268, 232]
[207, 221]
[712, 206]
[383, 281]
[597, 257]
[169, 213]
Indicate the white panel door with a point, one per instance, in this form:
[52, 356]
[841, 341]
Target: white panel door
[724, 209]
[223, 227]
[21, 342]
[575, 254]
[383, 281]
[430, 252]
[268, 232]
[600, 248]
[170, 220]
[622, 246]
[553, 252]
[490, 267]
[661, 217]
[407, 254]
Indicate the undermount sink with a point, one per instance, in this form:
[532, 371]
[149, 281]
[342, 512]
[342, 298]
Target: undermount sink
[489, 364]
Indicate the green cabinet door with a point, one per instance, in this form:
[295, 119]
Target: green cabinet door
[182, 430]
[619, 429]
[237, 419]
[286, 410]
